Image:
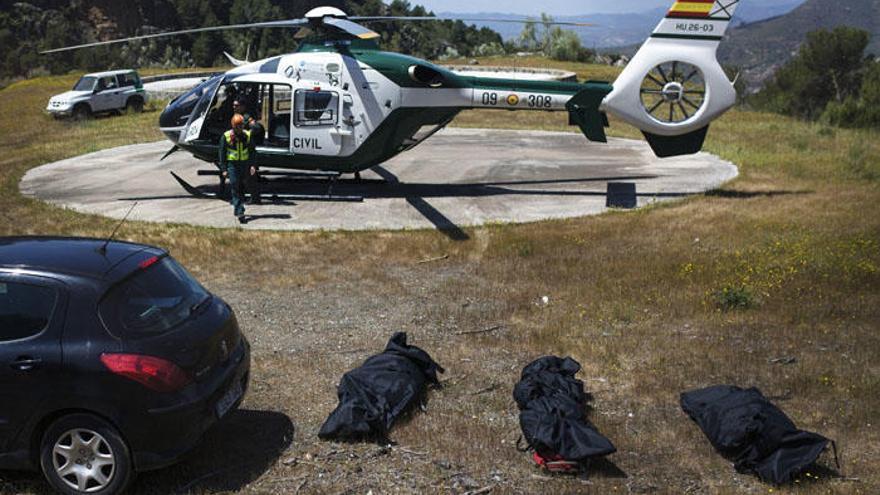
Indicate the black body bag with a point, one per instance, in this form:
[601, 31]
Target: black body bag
[553, 412]
[753, 433]
[382, 389]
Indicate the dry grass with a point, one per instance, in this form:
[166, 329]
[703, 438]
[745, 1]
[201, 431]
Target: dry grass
[648, 301]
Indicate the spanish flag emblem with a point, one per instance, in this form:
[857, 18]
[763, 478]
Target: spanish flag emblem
[692, 8]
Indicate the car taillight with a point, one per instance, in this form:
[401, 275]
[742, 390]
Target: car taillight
[152, 372]
[148, 262]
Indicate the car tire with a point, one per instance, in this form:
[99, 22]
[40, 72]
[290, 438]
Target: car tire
[83, 454]
[82, 112]
[134, 105]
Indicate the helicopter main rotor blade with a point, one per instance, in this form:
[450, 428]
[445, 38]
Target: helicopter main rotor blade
[351, 28]
[270, 24]
[344, 25]
[472, 19]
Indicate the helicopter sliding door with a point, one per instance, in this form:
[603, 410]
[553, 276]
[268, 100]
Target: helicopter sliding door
[316, 122]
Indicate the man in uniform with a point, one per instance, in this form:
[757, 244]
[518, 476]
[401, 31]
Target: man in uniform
[240, 108]
[258, 136]
[237, 157]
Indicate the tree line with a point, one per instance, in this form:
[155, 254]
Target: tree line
[29, 27]
[830, 80]
[26, 28]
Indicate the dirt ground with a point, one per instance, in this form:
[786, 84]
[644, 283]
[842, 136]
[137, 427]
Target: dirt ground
[304, 336]
[771, 281]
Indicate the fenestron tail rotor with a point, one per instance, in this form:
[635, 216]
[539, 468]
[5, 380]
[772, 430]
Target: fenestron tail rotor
[674, 87]
[673, 92]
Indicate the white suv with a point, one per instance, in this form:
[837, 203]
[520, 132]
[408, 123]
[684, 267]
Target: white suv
[101, 92]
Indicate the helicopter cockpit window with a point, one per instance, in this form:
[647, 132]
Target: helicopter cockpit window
[316, 108]
[181, 108]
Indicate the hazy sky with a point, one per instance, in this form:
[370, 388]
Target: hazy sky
[555, 7]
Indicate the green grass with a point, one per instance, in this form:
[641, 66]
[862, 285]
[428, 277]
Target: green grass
[638, 298]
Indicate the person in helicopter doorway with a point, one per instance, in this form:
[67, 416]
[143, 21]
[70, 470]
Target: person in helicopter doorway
[238, 154]
[251, 121]
[258, 136]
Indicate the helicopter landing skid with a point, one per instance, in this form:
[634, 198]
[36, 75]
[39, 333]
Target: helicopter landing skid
[273, 196]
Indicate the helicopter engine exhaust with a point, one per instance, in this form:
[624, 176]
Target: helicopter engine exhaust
[672, 99]
[426, 75]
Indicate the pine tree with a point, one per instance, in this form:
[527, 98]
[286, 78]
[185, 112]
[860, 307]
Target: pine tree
[827, 69]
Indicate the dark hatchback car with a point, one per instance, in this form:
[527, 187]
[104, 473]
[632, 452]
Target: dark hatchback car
[113, 360]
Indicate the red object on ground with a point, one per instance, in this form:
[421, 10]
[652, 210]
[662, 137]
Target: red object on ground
[555, 464]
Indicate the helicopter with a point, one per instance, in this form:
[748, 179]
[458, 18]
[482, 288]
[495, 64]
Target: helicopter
[341, 105]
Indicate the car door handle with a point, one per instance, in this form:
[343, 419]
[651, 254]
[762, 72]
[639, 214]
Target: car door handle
[26, 363]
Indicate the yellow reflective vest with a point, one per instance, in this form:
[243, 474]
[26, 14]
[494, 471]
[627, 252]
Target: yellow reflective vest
[240, 151]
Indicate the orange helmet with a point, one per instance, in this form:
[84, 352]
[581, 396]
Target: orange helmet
[237, 120]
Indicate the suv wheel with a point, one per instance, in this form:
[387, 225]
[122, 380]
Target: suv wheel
[83, 454]
[81, 112]
[134, 105]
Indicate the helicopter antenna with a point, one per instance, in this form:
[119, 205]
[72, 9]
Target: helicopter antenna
[103, 248]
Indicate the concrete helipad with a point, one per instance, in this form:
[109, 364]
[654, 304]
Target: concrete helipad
[459, 177]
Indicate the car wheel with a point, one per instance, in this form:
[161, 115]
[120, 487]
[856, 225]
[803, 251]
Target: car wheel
[81, 112]
[83, 454]
[134, 105]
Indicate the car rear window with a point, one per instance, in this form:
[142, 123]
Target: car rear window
[129, 79]
[152, 301]
[25, 310]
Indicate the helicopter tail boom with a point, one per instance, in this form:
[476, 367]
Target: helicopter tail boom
[581, 100]
[674, 86]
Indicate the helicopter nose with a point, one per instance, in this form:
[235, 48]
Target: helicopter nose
[169, 122]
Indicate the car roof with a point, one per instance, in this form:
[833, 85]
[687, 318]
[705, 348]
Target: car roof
[109, 73]
[70, 255]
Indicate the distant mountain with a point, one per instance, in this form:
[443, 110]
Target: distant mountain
[762, 47]
[614, 30]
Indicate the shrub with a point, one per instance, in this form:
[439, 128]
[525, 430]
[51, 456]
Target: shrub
[828, 68]
[490, 50]
[861, 111]
[554, 42]
[860, 163]
[733, 297]
[566, 46]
